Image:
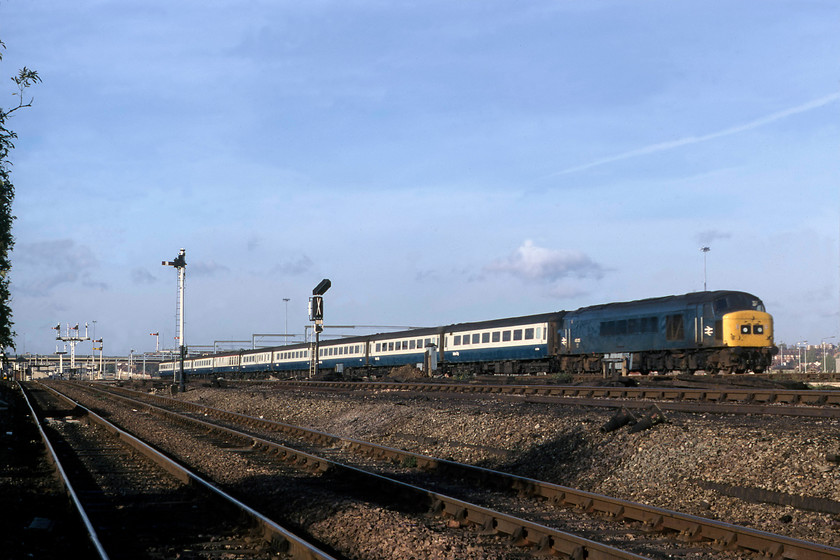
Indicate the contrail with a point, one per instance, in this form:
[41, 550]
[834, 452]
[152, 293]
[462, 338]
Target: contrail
[653, 148]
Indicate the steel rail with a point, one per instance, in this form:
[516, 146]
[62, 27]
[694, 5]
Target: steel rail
[65, 481]
[734, 400]
[540, 538]
[279, 537]
[692, 527]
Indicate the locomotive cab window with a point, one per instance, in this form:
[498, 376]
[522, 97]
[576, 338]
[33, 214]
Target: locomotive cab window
[674, 329]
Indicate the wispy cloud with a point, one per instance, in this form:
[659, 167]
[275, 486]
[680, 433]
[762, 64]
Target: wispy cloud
[208, 268]
[533, 263]
[49, 264]
[711, 235]
[664, 146]
[142, 276]
[293, 266]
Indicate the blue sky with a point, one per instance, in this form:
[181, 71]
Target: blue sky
[438, 161]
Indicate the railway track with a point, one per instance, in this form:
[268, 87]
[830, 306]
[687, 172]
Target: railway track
[723, 400]
[136, 503]
[654, 531]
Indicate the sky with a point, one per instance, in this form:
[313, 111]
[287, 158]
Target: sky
[438, 161]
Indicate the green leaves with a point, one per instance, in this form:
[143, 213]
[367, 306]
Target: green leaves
[23, 80]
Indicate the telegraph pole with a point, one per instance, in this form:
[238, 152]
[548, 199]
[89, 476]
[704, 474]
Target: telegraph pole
[180, 264]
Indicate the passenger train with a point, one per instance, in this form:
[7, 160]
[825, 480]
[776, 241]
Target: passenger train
[717, 331]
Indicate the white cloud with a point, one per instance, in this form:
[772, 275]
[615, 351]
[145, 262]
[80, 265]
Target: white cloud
[532, 263]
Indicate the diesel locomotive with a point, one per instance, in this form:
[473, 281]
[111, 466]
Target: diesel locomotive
[717, 331]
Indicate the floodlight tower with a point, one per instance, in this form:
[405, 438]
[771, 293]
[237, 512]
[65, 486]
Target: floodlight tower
[180, 264]
[705, 250]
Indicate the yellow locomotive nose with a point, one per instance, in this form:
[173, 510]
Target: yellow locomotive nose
[748, 328]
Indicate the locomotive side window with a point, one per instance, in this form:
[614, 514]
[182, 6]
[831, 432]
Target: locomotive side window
[517, 334]
[674, 329]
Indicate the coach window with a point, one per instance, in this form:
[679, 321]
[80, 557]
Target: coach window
[517, 334]
[485, 337]
[456, 340]
[506, 336]
[529, 334]
[476, 338]
[390, 347]
[497, 336]
[539, 333]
